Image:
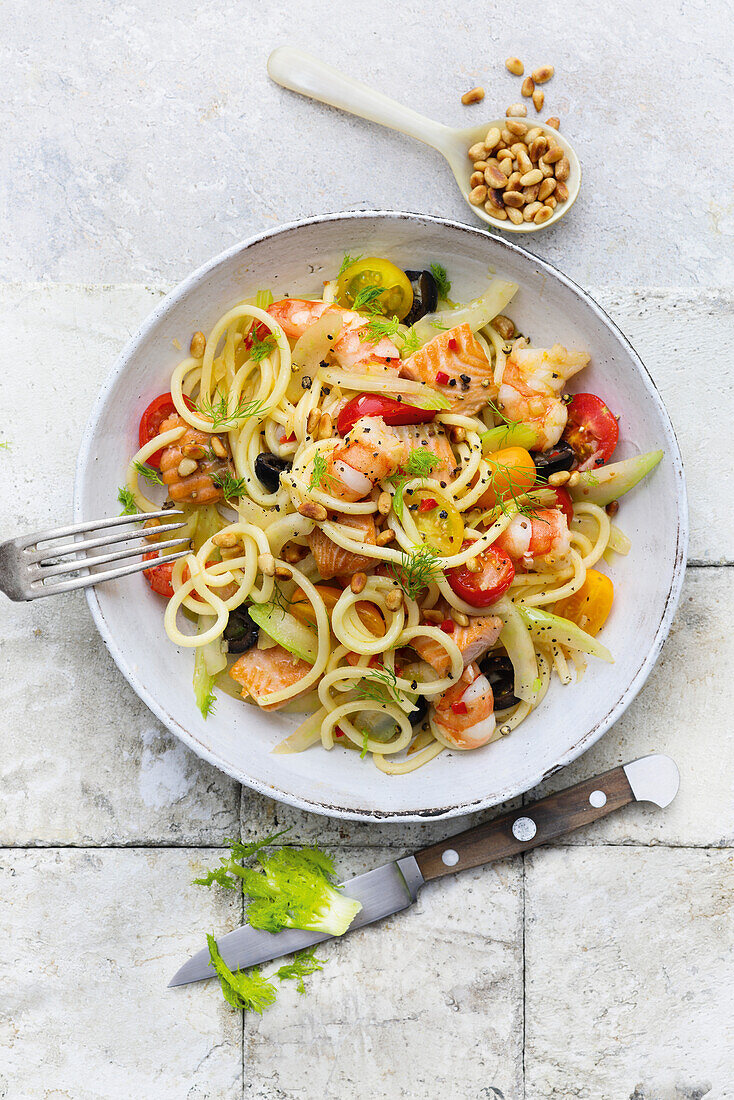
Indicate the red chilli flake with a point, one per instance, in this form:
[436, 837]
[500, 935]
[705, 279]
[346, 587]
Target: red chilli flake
[459, 708]
[452, 344]
[428, 504]
[288, 438]
[448, 626]
[442, 378]
[338, 731]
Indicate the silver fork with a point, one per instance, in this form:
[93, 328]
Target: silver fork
[25, 569]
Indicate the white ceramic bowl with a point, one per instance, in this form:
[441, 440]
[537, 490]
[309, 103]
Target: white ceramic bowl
[295, 259]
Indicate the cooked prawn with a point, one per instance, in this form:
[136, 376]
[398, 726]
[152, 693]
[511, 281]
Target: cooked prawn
[542, 539]
[370, 452]
[531, 388]
[467, 703]
[352, 349]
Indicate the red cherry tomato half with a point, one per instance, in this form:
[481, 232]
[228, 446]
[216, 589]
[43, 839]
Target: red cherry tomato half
[491, 581]
[159, 577]
[564, 502]
[374, 404]
[592, 430]
[158, 410]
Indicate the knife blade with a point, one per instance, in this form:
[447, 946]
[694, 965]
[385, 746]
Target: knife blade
[394, 886]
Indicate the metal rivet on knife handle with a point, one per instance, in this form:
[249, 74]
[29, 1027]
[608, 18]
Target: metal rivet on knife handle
[524, 828]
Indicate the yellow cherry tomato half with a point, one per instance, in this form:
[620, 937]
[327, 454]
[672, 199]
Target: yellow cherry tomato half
[589, 607]
[439, 523]
[354, 286]
[512, 472]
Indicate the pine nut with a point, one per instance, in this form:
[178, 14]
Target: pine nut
[198, 345]
[543, 74]
[612, 508]
[533, 133]
[293, 553]
[538, 99]
[384, 503]
[193, 450]
[519, 129]
[574, 479]
[538, 147]
[506, 167]
[324, 431]
[500, 214]
[504, 326]
[554, 154]
[559, 478]
[494, 137]
[524, 162]
[478, 151]
[432, 616]
[393, 601]
[528, 87]
[385, 537]
[563, 169]
[187, 466]
[546, 169]
[457, 435]
[266, 565]
[476, 95]
[547, 188]
[551, 201]
[150, 525]
[516, 110]
[531, 193]
[515, 66]
[495, 177]
[513, 181]
[505, 154]
[283, 572]
[553, 122]
[476, 179]
[561, 191]
[478, 195]
[311, 510]
[533, 176]
[218, 447]
[495, 200]
[514, 198]
[530, 211]
[515, 216]
[357, 583]
[226, 539]
[507, 137]
[312, 423]
[473, 566]
[459, 617]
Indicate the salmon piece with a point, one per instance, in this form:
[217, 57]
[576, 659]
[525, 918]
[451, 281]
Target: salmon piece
[261, 671]
[433, 438]
[459, 355]
[295, 315]
[370, 452]
[196, 488]
[482, 632]
[331, 560]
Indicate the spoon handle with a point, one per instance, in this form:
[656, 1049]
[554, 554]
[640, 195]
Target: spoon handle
[303, 73]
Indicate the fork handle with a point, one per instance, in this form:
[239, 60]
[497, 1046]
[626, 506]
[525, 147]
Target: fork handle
[527, 827]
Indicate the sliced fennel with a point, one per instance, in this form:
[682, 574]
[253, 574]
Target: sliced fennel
[520, 649]
[547, 628]
[286, 630]
[310, 351]
[508, 435]
[477, 313]
[208, 662]
[609, 483]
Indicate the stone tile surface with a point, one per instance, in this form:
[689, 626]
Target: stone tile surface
[89, 940]
[84, 762]
[628, 974]
[141, 140]
[426, 1004]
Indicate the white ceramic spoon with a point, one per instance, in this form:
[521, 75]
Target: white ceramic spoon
[300, 72]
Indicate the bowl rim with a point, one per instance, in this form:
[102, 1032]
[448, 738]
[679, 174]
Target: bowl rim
[372, 814]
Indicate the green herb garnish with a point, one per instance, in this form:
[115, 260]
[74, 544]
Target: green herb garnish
[442, 280]
[379, 327]
[261, 349]
[367, 298]
[421, 462]
[347, 262]
[231, 486]
[127, 500]
[319, 477]
[416, 571]
[222, 419]
[149, 472]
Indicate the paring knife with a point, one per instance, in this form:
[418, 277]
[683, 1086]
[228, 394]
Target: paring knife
[395, 886]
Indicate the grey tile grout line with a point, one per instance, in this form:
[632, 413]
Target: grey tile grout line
[405, 849]
[524, 975]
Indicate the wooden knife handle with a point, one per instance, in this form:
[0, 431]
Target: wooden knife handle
[527, 827]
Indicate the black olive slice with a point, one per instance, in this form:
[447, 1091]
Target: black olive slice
[269, 468]
[425, 295]
[501, 675]
[240, 633]
[560, 457]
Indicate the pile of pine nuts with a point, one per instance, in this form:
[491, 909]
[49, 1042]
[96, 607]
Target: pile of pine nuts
[520, 171]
